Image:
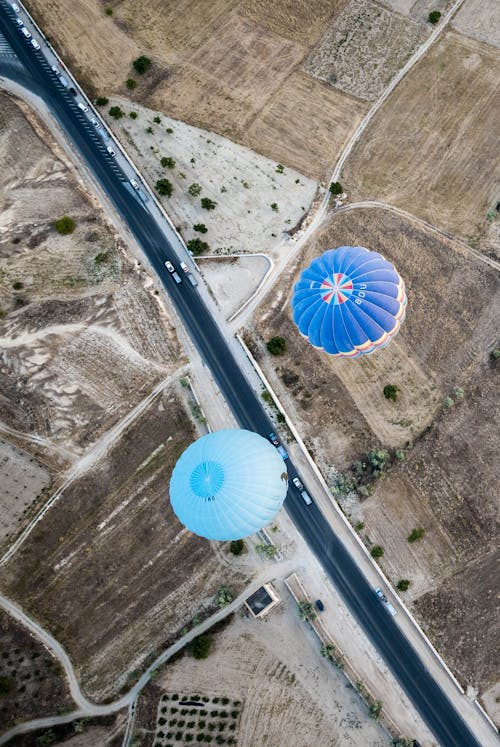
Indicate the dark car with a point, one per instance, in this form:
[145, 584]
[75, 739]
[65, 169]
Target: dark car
[72, 91]
[320, 605]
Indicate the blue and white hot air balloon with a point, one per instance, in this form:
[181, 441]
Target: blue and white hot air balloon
[228, 484]
[349, 302]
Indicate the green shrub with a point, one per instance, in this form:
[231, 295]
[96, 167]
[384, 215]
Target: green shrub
[274, 206]
[335, 188]
[434, 16]
[276, 345]
[5, 686]
[377, 551]
[391, 392]
[169, 130]
[403, 584]
[194, 189]
[164, 187]
[200, 228]
[237, 546]
[279, 168]
[102, 101]
[157, 120]
[416, 534]
[375, 709]
[17, 285]
[141, 64]
[131, 84]
[65, 225]
[133, 115]
[109, 11]
[197, 246]
[208, 204]
[116, 112]
[167, 162]
[201, 646]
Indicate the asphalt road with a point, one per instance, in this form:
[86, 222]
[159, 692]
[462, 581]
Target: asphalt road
[435, 708]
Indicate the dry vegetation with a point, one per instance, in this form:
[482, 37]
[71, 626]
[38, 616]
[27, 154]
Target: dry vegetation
[112, 545]
[274, 672]
[231, 67]
[479, 19]
[363, 49]
[32, 682]
[444, 344]
[432, 147]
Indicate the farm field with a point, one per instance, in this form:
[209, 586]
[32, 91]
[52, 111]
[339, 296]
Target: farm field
[438, 133]
[233, 68]
[342, 414]
[279, 681]
[33, 684]
[479, 19]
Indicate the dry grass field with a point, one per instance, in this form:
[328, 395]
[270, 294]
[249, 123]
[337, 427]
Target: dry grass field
[283, 688]
[33, 684]
[363, 48]
[432, 147]
[444, 344]
[305, 106]
[479, 19]
[231, 67]
[112, 545]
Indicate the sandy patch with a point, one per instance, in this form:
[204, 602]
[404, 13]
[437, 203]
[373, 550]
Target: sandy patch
[479, 19]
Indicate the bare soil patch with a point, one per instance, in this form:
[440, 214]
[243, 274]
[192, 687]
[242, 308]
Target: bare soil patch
[284, 689]
[243, 184]
[303, 21]
[479, 19]
[363, 49]
[23, 481]
[305, 124]
[33, 684]
[113, 545]
[233, 280]
[431, 148]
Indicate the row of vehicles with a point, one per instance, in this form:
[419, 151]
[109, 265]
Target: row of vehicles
[298, 484]
[175, 275]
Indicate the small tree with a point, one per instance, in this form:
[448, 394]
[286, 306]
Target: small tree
[5, 686]
[157, 120]
[197, 246]
[131, 84]
[133, 115]
[65, 225]
[237, 546]
[276, 345]
[327, 650]
[280, 168]
[416, 534]
[17, 285]
[201, 646]
[208, 204]
[375, 709]
[167, 162]
[116, 112]
[102, 101]
[200, 227]
[266, 551]
[391, 392]
[335, 188]
[377, 551]
[194, 189]
[403, 584]
[224, 597]
[274, 206]
[101, 258]
[141, 64]
[164, 187]
[434, 16]
[306, 611]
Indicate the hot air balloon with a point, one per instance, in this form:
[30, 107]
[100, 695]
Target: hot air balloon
[228, 484]
[349, 302]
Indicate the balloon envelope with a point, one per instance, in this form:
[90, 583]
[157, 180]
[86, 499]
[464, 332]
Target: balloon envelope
[349, 302]
[228, 484]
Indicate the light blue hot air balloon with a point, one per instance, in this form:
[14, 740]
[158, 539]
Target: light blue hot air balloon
[349, 302]
[228, 484]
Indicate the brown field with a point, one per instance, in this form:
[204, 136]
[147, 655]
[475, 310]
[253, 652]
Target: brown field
[432, 147]
[363, 49]
[450, 329]
[101, 731]
[73, 326]
[426, 359]
[305, 105]
[274, 679]
[226, 66]
[112, 545]
[479, 19]
[36, 683]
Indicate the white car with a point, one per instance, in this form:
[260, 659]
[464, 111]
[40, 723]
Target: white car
[19, 21]
[110, 151]
[94, 122]
[184, 267]
[25, 31]
[135, 185]
[82, 107]
[34, 44]
[297, 483]
[169, 266]
[54, 69]
[15, 7]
